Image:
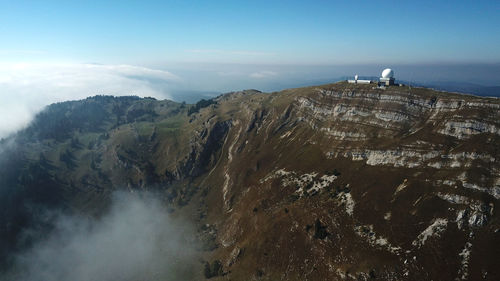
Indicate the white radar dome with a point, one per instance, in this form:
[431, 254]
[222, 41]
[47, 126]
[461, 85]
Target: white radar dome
[387, 73]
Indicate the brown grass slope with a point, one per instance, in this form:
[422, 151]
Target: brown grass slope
[334, 182]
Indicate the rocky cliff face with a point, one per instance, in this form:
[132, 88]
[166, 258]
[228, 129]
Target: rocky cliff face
[335, 182]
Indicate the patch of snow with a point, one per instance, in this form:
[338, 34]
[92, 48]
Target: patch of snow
[308, 180]
[227, 178]
[476, 215]
[449, 182]
[454, 198]
[387, 216]
[461, 217]
[341, 273]
[366, 231]
[494, 191]
[348, 202]
[343, 135]
[463, 272]
[435, 229]
[402, 186]
[436, 165]
[286, 135]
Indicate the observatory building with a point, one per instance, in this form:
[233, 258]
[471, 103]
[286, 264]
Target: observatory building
[358, 81]
[387, 77]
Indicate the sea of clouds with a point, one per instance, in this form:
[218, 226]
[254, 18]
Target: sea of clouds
[26, 88]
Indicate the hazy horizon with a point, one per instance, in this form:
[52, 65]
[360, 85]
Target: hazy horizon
[187, 50]
[26, 88]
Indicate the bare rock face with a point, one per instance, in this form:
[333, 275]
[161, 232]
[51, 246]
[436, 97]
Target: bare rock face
[335, 182]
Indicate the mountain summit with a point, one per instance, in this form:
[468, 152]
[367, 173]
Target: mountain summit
[333, 182]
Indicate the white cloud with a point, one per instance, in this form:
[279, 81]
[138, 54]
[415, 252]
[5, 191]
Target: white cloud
[263, 74]
[135, 240]
[26, 88]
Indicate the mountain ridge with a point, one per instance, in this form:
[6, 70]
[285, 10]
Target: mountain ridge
[337, 181]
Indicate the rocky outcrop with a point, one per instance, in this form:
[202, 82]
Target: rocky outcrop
[204, 149]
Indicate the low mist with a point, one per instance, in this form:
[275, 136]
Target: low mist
[26, 88]
[135, 240]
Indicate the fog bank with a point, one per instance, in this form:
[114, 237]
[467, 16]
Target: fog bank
[135, 240]
[26, 88]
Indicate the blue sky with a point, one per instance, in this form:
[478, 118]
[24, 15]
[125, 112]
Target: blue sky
[258, 32]
[53, 51]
